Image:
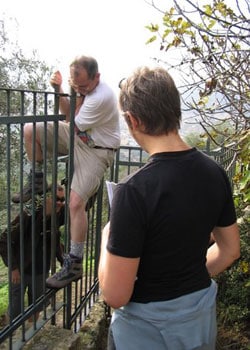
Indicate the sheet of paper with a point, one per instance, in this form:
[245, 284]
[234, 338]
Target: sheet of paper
[110, 189]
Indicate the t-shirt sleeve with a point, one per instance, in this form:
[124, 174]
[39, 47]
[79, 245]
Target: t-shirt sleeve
[228, 213]
[127, 222]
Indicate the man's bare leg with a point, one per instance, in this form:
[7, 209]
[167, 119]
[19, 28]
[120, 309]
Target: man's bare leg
[78, 224]
[36, 173]
[72, 267]
[28, 134]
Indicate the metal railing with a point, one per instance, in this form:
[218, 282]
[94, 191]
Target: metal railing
[69, 306]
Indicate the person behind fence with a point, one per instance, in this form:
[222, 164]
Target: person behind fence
[24, 224]
[155, 268]
[97, 136]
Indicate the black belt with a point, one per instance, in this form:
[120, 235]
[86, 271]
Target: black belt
[110, 149]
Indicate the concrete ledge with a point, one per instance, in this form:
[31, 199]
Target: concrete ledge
[52, 338]
[95, 328]
[92, 335]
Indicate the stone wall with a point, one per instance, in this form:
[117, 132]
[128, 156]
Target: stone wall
[92, 335]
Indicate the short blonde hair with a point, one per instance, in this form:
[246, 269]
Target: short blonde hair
[151, 96]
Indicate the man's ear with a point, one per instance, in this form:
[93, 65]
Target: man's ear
[132, 121]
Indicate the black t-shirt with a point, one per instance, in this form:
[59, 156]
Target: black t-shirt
[164, 214]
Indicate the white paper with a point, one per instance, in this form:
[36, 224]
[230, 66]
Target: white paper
[110, 188]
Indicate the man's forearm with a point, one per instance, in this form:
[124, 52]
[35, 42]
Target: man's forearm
[218, 262]
[225, 249]
[64, 107]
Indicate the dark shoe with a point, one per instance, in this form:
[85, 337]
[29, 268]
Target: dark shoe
[27, 189]
[71, 271]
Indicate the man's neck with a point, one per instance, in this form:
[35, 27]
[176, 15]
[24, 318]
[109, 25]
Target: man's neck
[164, 143]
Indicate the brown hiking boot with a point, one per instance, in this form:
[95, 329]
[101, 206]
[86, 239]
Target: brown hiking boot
[27, 189]
[71, 271]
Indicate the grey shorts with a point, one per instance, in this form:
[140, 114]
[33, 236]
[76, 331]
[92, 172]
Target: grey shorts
[90, 164]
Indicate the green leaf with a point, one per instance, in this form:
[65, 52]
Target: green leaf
[211, 23]
[207, 9]
[153, 28]
[150, 40]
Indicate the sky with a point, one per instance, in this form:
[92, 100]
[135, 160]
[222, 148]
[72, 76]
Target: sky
[113, 31]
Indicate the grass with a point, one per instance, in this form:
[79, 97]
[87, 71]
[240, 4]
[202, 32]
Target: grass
[3, 288]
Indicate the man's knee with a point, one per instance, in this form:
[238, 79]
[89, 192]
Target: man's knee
[76, 203]
[28, 129]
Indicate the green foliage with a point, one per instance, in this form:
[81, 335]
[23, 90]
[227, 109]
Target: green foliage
[213, 137]
[18, 71]
[207, 45]
[234, 285]
[242, 176]
[3, 288]
[195, 139]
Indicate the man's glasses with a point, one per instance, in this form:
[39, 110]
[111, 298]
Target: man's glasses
[83, 86]
[120, 83]
[60, 199]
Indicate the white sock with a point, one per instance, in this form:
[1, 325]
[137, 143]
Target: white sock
[76, 249]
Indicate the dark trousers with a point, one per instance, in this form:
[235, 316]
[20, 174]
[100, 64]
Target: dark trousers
[16, 293]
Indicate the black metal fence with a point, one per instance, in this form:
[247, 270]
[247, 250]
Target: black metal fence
[70, 306]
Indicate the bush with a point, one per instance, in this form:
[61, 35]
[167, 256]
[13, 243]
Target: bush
[3, 298]
[234, 285]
